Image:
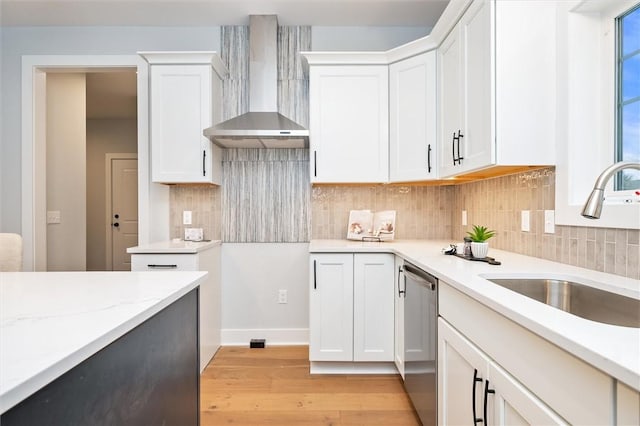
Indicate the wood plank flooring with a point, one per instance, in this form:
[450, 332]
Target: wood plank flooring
[272, 386]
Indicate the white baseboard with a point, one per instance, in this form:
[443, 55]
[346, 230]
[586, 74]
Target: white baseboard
[332, 367]
[273, 336]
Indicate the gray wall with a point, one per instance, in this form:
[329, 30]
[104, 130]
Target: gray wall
[18, 41]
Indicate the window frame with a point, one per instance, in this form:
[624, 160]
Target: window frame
[620, 102]
[586, 119]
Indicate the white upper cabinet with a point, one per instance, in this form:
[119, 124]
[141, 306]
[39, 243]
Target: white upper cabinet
[412, 119]
[185, 98]
[348, 115]
[497, 87]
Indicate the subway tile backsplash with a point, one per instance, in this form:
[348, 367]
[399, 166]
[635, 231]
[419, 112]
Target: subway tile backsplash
[497, 203]
[422, 212]
[432, 212]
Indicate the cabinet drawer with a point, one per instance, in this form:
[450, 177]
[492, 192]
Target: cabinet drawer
[164, 262]
[575, 390]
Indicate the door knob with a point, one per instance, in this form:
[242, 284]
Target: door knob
[116, 224]
[117, 216]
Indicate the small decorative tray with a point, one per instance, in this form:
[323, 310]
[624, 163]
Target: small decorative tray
[489, 260]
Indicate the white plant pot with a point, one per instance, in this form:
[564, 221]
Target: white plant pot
[479, 250]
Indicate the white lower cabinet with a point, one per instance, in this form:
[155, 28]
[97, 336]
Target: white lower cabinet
[399, 291]
[351, 307]
[473, 389]
[515, 375]
[209, 293]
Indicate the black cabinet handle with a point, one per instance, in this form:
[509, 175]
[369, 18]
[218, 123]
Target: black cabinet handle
[315, 164]
[457, 159]
[204, 156]
[487, 391]
[160, 266]
[429, 159]
[460, 158]
[401, 292]
[453, 148]
[476, 379]
[315, 276]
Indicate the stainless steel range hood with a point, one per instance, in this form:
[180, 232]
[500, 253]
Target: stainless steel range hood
[263, 126]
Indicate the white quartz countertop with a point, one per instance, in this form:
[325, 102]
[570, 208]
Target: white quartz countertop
[52, 321]
[612, 349]
[174, 246]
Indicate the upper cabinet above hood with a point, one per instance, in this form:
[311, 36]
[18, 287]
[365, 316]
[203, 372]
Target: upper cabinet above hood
[263, 126]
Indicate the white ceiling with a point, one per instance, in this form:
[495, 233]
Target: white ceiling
[220, 12]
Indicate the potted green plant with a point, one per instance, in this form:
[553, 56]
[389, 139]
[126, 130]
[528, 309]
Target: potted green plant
[479, 245]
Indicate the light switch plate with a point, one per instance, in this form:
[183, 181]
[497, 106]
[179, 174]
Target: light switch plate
[186, 217]
[464, 218]
[526, 219]
[549, 221]
[53, 216]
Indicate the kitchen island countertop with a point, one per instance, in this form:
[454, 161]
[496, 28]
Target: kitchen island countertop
[52, 321]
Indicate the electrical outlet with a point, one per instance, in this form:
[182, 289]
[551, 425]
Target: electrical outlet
[282, 296]
[526, 219]
[549, 221]
[53, 216]
[464, 218]
[186, 217]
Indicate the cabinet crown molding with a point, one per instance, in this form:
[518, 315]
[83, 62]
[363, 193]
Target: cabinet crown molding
[187, 58]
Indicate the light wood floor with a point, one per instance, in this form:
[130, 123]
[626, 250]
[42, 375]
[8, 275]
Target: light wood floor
[272, 386]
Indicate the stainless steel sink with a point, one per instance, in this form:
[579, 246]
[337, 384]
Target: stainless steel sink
[578, 299]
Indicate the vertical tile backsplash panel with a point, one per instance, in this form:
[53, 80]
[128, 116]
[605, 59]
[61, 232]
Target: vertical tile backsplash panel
[265, 195]
[204, 203]
[497, 203]
[422, 212]
[293, 80]
[234, 53]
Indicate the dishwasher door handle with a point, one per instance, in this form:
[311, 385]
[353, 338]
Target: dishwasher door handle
[421, 277]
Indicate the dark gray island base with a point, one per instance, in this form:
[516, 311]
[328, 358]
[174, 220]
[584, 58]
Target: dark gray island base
[149, 376]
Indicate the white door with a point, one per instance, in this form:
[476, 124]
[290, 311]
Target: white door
[373, 307]
[349, 116]
[331, 307]
[462, 370]
[412, 119]
[123, 220]
[451, 100]
[477, 147]
[399, 299]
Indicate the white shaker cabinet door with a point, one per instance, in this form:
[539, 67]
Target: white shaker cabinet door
[373, 307]
[412, 119]
[181, 108]
[331, 307]
[349, 116]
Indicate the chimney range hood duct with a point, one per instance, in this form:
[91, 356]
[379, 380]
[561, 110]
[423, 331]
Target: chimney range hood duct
[263, 126]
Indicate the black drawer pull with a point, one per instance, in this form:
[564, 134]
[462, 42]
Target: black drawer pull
[160, 266]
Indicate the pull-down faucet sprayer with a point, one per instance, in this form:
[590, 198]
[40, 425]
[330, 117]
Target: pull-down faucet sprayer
[593, 206]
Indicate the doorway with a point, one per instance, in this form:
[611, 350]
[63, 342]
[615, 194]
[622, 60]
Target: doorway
[122, 210]
[152, 198]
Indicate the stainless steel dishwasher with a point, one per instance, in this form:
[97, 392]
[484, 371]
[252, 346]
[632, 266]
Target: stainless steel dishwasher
[420, 341]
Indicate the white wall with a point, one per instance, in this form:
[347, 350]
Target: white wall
[252, 274]
[66, 171]
[363, 38]
[103, 136]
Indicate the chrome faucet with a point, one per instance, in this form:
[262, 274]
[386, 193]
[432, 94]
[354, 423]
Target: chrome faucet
[593, 206]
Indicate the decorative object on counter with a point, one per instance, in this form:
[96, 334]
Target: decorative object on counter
[193, 234]
[479, 245]
[453, 249]
[365, 225]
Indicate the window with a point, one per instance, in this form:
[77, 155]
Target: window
[628, 97]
